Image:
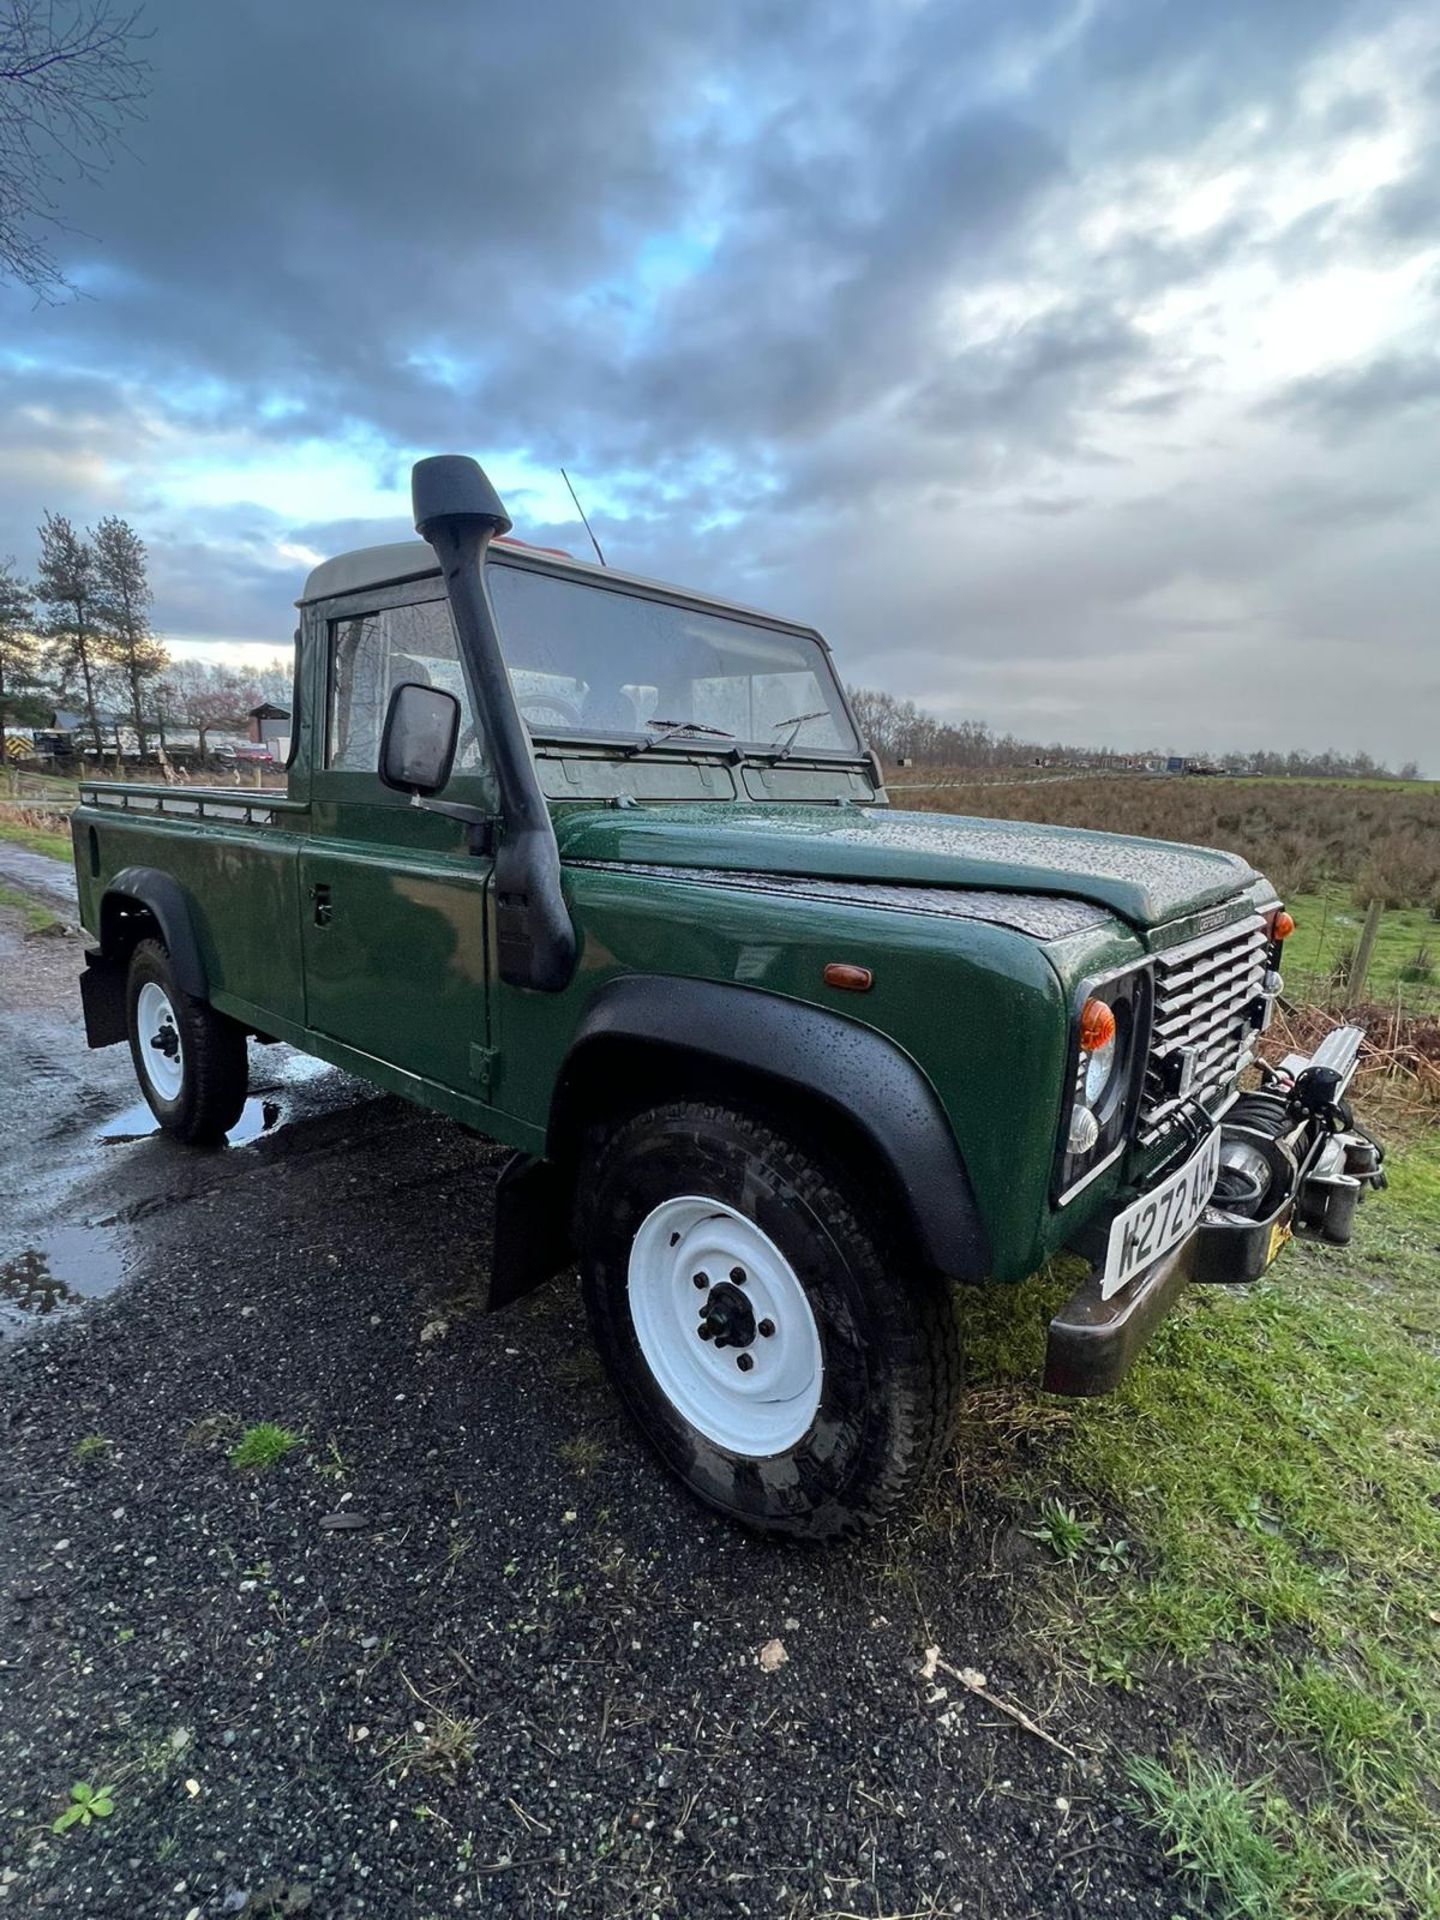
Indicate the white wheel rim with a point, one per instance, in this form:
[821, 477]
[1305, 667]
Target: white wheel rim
[757, 1393]
[162, 1056]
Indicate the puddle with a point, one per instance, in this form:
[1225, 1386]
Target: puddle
[49, 1270]
[260, 1115]
[72, 1264]
[265, 1110]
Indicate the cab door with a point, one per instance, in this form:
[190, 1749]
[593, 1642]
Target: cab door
[392, 898]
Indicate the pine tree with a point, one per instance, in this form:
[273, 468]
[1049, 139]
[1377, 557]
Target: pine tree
[65, 592]
[19, 649]
[122, 615]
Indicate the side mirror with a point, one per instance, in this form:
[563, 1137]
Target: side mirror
[417, 748]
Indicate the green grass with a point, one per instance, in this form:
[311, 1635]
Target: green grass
[1254, 1856]
[37, 839]
[1274, 1466]
[1327, 929]
[37, 919]
[263, 1446]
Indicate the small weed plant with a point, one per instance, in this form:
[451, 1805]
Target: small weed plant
[87, 1804]
[263, 1446]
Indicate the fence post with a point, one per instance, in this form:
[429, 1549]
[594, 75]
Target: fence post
[1360, 965]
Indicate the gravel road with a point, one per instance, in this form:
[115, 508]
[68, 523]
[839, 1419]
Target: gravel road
[464, 1648]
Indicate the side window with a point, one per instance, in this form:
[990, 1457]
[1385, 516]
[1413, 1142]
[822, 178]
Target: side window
[370, 654]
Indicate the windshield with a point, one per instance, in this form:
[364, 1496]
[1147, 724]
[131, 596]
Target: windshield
[588, 660]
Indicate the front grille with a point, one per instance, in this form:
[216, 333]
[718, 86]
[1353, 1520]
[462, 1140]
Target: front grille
[1204, 995]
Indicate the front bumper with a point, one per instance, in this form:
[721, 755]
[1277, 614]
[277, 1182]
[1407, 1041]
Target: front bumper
[1322, 1169]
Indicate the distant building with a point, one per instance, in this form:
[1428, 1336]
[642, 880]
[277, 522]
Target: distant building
[269, 725]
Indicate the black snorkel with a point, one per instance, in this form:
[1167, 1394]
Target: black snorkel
[459, 513]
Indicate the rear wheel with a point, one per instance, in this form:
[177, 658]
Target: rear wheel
[189, 1059]
[775, 1344]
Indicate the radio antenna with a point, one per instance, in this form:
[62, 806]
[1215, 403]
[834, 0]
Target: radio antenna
[581, 511]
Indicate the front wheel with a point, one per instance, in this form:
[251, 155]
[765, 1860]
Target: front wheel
[774, 1342]
[189, 1059]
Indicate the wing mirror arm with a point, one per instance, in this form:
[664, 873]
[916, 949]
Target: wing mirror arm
[481, 836]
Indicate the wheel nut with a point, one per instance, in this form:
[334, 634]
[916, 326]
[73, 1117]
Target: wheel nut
[706, 1331]
[767, 1327]
[702, 1279]
[739, 1276]
[744, 1363]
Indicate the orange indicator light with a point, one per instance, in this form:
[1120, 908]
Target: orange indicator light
[1097, 1026]
[849, 979]
[1282, 926]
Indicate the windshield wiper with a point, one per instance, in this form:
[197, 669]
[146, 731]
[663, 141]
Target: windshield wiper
[795, 722]
[669, 729]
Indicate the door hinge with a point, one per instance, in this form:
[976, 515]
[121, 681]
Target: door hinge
[483, 1062]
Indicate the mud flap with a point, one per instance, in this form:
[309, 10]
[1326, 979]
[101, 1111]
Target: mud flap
[532, 1228]
[102, 999]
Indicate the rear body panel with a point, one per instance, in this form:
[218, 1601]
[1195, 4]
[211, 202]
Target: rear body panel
[242, 884]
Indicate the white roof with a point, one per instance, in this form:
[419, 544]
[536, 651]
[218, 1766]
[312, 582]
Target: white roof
[415, 560]
[369, 567]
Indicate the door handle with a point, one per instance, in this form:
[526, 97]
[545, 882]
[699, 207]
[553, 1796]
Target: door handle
[320, 902]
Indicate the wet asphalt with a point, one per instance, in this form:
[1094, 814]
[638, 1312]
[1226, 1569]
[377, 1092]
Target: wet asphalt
[463, 1648]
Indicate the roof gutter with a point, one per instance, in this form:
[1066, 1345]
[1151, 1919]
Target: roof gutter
[459, 513]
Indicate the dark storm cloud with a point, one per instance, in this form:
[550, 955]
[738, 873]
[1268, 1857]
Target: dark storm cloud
[795, 284]
[323, 193]
[1364, 399]
[1408, 211]
[1010, 388]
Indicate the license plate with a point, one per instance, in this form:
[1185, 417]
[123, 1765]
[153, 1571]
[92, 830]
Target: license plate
[1160, 1219]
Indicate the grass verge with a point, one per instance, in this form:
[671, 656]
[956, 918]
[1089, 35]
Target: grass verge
[21, 826]
[1272, 1473]
[1405, 965]
[37, 919]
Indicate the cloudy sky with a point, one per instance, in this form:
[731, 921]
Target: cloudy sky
[1072, 363]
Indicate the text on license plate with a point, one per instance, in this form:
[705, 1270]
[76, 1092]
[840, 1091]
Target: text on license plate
[1160, 1219]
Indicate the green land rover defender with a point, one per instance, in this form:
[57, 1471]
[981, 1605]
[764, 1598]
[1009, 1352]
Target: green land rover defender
[604, 870]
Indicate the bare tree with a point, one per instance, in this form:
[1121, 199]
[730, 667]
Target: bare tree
[209, 697]
[19, 649]
[122, 614]
[70, 82]
[65, 591]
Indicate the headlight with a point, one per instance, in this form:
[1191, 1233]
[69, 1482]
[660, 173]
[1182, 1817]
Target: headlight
[1111, 1025]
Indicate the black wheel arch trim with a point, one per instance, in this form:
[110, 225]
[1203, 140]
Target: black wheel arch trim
[863, 1074]
[166, 900]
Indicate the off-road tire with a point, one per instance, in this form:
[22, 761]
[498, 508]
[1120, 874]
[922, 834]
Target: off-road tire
[888, 1329]
[214, 1071]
